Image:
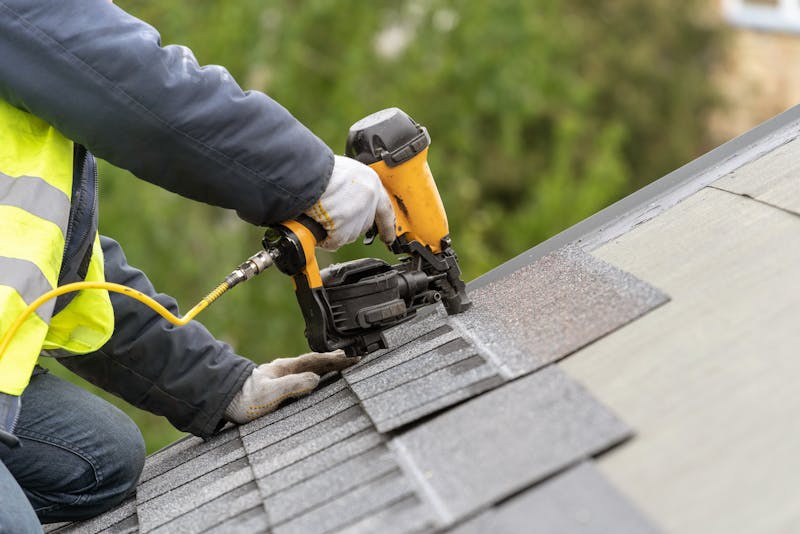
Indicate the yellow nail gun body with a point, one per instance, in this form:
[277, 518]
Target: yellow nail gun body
[349, 305]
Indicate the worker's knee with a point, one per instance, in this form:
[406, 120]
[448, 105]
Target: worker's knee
[105, 473]
[120, 459]
[68, 480]
[80, 456]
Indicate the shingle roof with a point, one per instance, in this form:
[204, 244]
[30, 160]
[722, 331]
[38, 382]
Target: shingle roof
[461, 414]
[467, 423]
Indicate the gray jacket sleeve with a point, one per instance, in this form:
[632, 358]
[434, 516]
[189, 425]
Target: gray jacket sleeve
[182, 373]
[101, 77]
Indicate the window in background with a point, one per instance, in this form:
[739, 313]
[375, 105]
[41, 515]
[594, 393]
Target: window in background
[769, 15]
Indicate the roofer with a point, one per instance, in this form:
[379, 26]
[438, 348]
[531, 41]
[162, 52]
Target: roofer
[83, 73]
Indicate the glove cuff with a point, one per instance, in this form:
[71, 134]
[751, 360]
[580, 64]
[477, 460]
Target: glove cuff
[235, 412]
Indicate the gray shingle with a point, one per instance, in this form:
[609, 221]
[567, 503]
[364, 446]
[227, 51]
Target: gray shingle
[215, 512]
[470, 389]
[182, 499]
[127, 526]
[534, 316]
[452, 349]
[547, 310]
[307, 441]
[351, 506]
[428, 340]
[254, 521]
[190, 469]
[427, 320]
[578, 501]
[431, 392]
[287, 426]
[433, 371]
[313, 492]
[293, 407]
[403, 516]
[505, 440]
[119, 518]
[182, 451]
[316, 463]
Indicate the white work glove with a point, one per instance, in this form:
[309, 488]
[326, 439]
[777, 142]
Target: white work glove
[281, 379]
[354, 199]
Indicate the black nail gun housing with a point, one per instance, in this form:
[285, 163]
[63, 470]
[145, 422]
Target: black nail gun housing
[368, 295]
[349, 305]
[358, 299]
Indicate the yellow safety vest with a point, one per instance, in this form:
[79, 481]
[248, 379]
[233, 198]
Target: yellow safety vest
[35, 193]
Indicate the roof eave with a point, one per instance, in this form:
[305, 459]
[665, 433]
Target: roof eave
[657, 197]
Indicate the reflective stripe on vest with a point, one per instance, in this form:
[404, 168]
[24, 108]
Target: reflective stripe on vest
[35, 193]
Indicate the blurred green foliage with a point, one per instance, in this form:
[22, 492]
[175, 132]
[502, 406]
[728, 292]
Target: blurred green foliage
[541, 113]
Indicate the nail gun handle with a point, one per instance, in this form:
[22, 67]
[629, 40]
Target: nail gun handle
[396, 148]
[292, 244]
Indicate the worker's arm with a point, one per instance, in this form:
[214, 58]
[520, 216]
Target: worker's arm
[101, 77]
[182, 373]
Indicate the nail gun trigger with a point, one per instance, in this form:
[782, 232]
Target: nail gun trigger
[369, 237]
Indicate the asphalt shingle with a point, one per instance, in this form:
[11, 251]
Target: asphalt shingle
[505, 440]
[325, 462]
[405, 350]
[553, 307]
[324, 391]
[253, 521]
[216, 512]
[315, 491]
[121, 518]
[308, 441]
[183, 499]
[535, 316]
[430, 392]
[315, 464]
[183, 451]
[578, 501]
[351, 506]
[399, 517]
[210, 460]
[285, 427]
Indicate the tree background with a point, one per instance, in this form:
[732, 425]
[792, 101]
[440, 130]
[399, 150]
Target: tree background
[541, 113]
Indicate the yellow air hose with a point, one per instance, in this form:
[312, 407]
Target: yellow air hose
[254, 265]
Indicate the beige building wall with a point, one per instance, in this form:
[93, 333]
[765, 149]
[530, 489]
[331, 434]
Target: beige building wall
[759, 78]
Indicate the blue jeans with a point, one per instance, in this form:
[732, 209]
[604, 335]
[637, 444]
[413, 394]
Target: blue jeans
[80, 456]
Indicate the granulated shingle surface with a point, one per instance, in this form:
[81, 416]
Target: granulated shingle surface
[405, 515]
[535, 316]
[551, 308]
[274, 481]
[306, 442]
[442, 426]
[253, 521]
[199, 491]
[343, 477]
[215, 512]
[578, 501]
[191, 469]
[121, 518]
[508, 439]
[351, 506]
[183, 451]
[430, 392]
